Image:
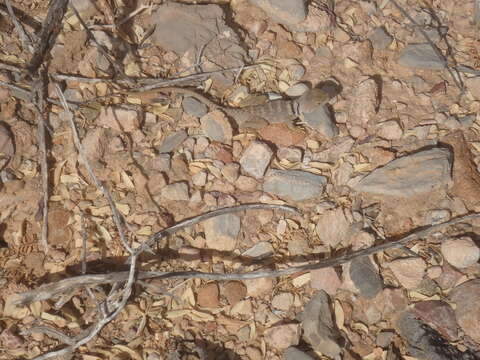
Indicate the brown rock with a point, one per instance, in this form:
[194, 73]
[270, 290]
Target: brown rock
[119, 119]
[461, 252]
[283, 301]
[325, 279]
[234, 291]
[259, 287]
[207, 296]
[282, 336]
[466, 296]
[282, 134]
[408, 271]
[59, 233]
[439, 315]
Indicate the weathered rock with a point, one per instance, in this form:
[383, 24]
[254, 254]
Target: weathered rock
[293, 353]
[256, 158]
[286, 12]
[461, 252]
[421, 56]
[290, 154]
[410, 175]
[294, 184]
[194, 107]
[177, 191]
[333, 227]
[221, 232]
[319, 329]
[408, 271]
[207, 296]
[325, 279]
[466, 296]
[259, 287]
[438, 315]
[365, 277]
[119, 119]
[216, 127]
[321, 119]
[234, 291]
[172, 141]
[282, 336]
[259, 250]
[390, 130]
[283, 301]
[380, 38]
[384, 338]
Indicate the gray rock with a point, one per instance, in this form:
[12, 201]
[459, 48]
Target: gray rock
[365, 277]
[291, 154]
[176, 192]
[319, 329]
[321, 119]
[286, 12]
[221, 232]
[216, 127]
[414, 174]
[293, 353]
[162, 162]
[425, 343]
[294, 184]
[259, 251]
[172, 141]
[256, 158]
[194, 107]
[384, 338]
[380, 38]
[421, 56]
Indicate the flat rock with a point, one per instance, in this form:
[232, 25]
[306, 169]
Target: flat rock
[421, 56]
[409, 271]
[259, 250]
[172, 141]
[466, 296]
[365, 277]
[293, 353]
[282, 336]
[410, 175]
[439, 315]
[119, 119]
[283, 301]
[460, 252]
[294, 184]
[194, 107]
[216, 127]
[208, 296]
[221, 232]
[177, 191]
[390, 130]
[333, 227]
[234, 291]
[256, 159]
[290, 154]
[319, 329]
[282, 134]
[259, 287]
[286, 12]
[380, 38]
[321, 119]
[325, 279]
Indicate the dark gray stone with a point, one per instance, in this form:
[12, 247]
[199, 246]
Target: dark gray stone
[365, 277]
[194, 107]
[321, 119]
[294, 184]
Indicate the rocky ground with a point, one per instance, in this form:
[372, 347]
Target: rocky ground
[396, 150]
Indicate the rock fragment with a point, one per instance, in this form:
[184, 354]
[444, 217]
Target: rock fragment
[421, 56]
[171, 142]
[256, 158]
[286, 12]
[207, 296]
[439, 315]
[282, 336]
[194, 107]
[467, 311]
[221, 232]
[216, 127]
[294, 184]
[461, 252]
[333, 227]
[321, 119]
[175, 192]
[293, 353]
[365, 277]
[408, 271]
[380, 38]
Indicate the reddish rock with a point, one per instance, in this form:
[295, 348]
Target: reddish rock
[207, 296]
[466, 296]
[234, 291]
[439, 315]
[282, 135]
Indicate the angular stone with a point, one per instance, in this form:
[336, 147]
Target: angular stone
[421, 56]
[380, 38]
[207, 296]
[286, 12]
[177, 191]
[290, 154]
[321, 119]
[439, 315]
[365, 277]
[234, 291]
[119, 119]
[259, 250]
[325, 279]
[461, 252]
[408, 271]
[194, 107]
[282, 336]
[283, 301]
[216, 127]
[256, 158]
[294, 184]
[319, 329]
[293, 353]
[410, 175]
[172, 141]
[390, 130]
[333, 227]
[466, 296]
[221, 232]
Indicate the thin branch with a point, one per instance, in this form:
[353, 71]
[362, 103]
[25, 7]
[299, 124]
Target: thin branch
[24, 37]
[47, 291]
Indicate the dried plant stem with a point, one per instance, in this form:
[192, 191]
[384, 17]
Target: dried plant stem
[26, 41]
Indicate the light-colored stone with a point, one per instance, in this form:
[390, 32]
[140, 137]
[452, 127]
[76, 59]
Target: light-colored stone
[408, 271]
[333, 227]
[466, 296]
[259, 250]
[294, 184]
[221, 232]
[173, 140]
[256, 158]
[461, 252]
[283, 301]
[118, 119]
[421, 56]
[282, 336]
[208, 296]
[291, 154]
[325, 279]
[177, 191]
[390, 130]
[259, 287]
[216, 127]
[286, 12]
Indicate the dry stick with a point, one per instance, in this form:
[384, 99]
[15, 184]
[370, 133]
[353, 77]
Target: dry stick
[47, 291]
[38, 95]
[456, 77]
[26, 40]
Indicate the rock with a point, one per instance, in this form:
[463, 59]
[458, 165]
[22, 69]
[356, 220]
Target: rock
[325, 279]
[294, 184]
[231, 172]
[259, 287]
[283, 301]
[438, 216]
[362, 109]
[246, 183]
[466, 297]
[282, 336]
[162, 162]
[425, 343]
[286, 12]
[282, 134]
[390, 130]
[171, 142]
[207, 296]
[380, 38]
[461, 252]
[176, 192]
[293, 353]
[333, 227]
[321, 119]
[421, 56]
[259, 251]
[290, 154]
[365, 277]
[194, 107]
[256, 159]
[410, 175]
[449, 276]
[408, 271]
[319, 329]
[439, 316]
[234, 291]
[221, 232]
[384, 338]
[216, 127]
[118, 119]
[185, 28]
[297, 89]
